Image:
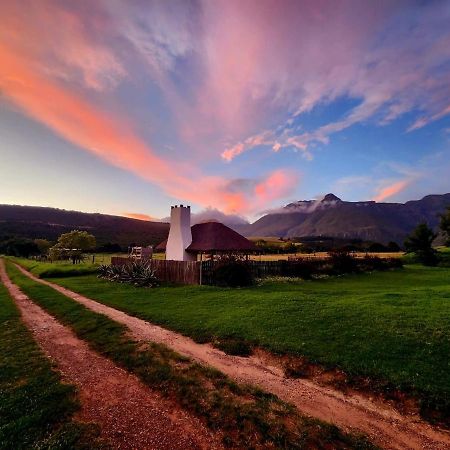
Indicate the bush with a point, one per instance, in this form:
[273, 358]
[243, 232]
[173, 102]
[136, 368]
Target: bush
[342, 262]
[137, 272]
[394, 263]
[232, 272]
[20, 247]
[370, 263]
[302, 268]
[420, 242]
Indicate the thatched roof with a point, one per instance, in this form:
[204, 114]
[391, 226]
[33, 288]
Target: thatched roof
[215, 237]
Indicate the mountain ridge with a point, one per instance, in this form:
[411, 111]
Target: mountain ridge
[48, 223]
[333, 217]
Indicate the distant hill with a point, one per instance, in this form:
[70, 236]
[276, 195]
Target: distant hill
[371, 221]
[48, 223]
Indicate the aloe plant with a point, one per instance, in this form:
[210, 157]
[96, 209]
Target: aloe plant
[136, 272]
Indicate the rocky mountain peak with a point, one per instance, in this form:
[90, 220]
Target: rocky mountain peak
[331, 198]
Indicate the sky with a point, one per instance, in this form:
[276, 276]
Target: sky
[129, 106]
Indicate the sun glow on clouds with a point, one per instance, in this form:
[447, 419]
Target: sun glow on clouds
[138, 216]
[391, 190]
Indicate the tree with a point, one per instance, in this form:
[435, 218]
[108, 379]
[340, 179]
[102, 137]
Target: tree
[393, 247]
[17, 246]
[43, 245]
[72, 245]
[445, 225]
[420, 242]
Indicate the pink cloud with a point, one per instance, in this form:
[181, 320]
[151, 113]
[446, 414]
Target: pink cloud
[278, 184]
[391, 190]
[390, 63]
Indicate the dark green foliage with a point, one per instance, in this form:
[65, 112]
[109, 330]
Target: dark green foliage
[420, 242]
[72, 246]
[35, 407]
[376, 247]
[16, 246]
[445, 225]
[109, 248]
[393, 247]
[247, 417]
[232, 272]
[342, 262]
[370, 263]
[136, 272]
[339, 263]
[303, 268]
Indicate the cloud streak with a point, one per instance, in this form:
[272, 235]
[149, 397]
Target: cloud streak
[139, 216]
[391, 190]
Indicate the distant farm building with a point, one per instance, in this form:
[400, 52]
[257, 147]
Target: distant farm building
[186, 243]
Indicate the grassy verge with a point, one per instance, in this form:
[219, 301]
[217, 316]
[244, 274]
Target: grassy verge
[246, 416]
[35, 407]
[56, 269]
[393, 327]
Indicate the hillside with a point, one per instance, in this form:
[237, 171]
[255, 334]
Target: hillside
[382, 222]
[48, 223]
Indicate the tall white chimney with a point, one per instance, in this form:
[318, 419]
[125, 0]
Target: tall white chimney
[180, 235]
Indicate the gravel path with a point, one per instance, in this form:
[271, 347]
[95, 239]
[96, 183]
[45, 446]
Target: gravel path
[382, 423]
[130, 415]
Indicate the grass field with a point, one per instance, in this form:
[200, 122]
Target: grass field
[35, 408]
[247, 417]
[392, 326]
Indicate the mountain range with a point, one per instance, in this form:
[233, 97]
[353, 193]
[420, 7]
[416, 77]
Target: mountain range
[367, 220]
[329, 216]
[48, 223]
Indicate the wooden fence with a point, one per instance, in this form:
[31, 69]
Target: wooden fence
[183, 272]
[196, 272]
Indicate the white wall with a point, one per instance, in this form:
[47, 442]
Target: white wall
[180, 235]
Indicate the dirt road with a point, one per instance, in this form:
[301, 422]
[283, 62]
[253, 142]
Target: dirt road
[130, 415]
[381, 422]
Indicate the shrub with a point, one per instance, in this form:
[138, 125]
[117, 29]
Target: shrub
[420, 242]
[302, 268]
[394, 263]
[370, 263]
[342, 262]
[138, 273]
[230, 271]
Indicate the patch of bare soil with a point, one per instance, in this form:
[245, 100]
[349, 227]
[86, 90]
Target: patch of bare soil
[300, 367]
[130, 415]
[384, 425]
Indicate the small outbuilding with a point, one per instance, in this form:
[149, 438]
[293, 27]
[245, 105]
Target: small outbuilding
[186, 243]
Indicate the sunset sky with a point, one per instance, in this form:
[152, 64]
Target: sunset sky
[126, 107]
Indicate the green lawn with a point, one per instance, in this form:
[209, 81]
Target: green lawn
[246, 416]
[393, 326]
[35, 407]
